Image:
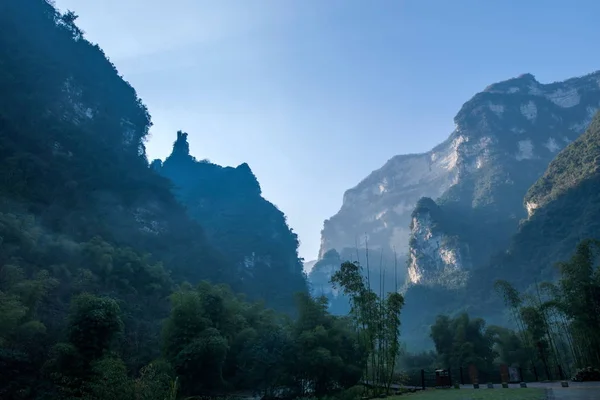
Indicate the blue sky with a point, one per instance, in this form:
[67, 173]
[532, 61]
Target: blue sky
[316, 94]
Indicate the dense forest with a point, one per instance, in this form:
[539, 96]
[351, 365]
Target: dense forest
[121, 279]
[555, 333]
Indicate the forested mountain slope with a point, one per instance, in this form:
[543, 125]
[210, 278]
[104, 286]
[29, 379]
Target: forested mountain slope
[564, 209]
[251, 232]
[72, 137]
[94, 246]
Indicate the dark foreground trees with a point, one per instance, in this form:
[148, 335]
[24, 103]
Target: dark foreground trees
[556, 325]
[213, 342]
[376, 321]
[216, 342]
[560, 322]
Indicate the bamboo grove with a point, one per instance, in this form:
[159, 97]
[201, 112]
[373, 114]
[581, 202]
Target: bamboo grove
[376, 318]
[559, 322]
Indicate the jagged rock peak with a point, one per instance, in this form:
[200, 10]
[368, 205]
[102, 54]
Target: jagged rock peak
[434, 256]
[181, 147]
[184, 168]
[248, 177]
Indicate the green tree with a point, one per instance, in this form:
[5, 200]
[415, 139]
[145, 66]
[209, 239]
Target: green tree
[326, 352]
[376, 321]
[580, 289]
[94, 323]
[462, 341]
[109, 381]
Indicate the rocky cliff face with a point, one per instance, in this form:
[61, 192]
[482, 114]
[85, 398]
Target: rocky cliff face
[381, 204]
[504, 139]
[567, 211]
[435, 255]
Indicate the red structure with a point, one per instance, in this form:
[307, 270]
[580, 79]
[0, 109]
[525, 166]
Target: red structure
[473, 374]
[442, 378]
[504, 377]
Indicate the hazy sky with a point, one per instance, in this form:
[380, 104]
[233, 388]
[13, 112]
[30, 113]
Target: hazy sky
[315, 94]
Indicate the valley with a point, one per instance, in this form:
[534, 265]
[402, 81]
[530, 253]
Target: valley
[124, 277]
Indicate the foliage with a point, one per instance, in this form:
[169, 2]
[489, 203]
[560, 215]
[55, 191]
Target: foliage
[376, 322]
[215, 341]
[339, 303]
[462, 341]
[93, 324]
[559, 322]
[93, 242]
[587, 374]
[417, 361]
[576, 163]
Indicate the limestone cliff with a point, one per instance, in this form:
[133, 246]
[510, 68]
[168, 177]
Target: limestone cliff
[504, 138]
[435, 255]
[567, 211]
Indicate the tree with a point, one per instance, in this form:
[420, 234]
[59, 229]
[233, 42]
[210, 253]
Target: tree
[326, 356]
[580, 289]
[94, 323]
[376, 322]
[558, 322]
[463, 341]
[109, 381]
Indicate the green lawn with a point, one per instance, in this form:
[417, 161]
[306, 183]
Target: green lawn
[475, 394]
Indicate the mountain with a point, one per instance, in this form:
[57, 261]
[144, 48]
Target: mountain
[524, 124]
[473, 182]
[248, 230]
[81, 211]
[308, 265]
[100, 263]
[563, 209]
[72, 134]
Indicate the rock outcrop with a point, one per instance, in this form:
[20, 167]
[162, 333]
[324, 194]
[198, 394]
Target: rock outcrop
[504, 139]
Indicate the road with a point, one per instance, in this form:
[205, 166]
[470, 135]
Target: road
[575, 391]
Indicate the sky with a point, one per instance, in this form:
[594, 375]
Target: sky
[316, 94]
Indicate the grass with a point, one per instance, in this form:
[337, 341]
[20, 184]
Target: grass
[475, 394]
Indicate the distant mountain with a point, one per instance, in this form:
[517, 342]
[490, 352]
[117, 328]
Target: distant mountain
[308, 265]
[564, 209]
[504, 139]
[250, 232]
[379, 276]
[510, 132]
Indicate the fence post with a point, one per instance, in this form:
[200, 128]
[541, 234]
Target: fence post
[450, 376]
[521, 377]
[537, 379]
[560, 373]
[423, 378]
[462, 379]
